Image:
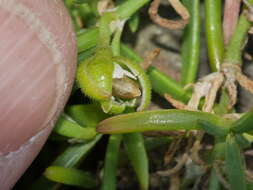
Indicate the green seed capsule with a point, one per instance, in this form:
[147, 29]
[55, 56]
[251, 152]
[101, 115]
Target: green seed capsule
[143, 79]
[94, 75]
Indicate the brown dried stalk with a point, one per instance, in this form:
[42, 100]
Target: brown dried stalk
[170, 24]
[175, 103]
[230, 18]
[150, 58]
[177, 168]
[220, 176]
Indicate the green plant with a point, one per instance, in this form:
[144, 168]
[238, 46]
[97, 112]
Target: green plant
[107, 66]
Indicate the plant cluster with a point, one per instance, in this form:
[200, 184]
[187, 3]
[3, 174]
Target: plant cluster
[118, 83]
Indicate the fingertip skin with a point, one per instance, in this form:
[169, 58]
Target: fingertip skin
[37, 68]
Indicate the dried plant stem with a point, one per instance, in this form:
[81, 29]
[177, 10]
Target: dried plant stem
[150, 58]
[220, 175]
[174, 170]
[170, 24]
[174, 182]
[171, 151]
[230, 18]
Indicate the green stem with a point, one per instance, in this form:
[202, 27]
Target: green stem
[116, 42]
[129, 53]
[191, 43]
[234, 50]
[128, 8]
[105, 30]
[87, 39]
[214, 34]
[163, 84]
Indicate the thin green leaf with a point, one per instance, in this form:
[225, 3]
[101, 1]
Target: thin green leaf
[213, 129]
[66, 126]
[71, 157]
[74, 154]
[70, 176]
[85, 54]
[137, 155]
[87, 39]
[157, 120]
[242, 141]
[111, 161]
[86, 115]
[235, 165]
[134, 22]
[128, 8]
[244, 124]
[214, 182]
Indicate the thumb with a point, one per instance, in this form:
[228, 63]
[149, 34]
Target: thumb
[37, 65]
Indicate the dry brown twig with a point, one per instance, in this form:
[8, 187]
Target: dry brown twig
[171, 151]
[233, 73]
[174, 182]
[151, 56]
[175, 103]
[220, 176]
[229, 71]
[247, 56]
[170, 24]
[206, 87]
[176, 169]
[249, 175]
[196, 148]
[209, 86]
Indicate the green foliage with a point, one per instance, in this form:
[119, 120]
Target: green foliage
[234, 164]
[100, 53]
[136, 152]
[70, 176]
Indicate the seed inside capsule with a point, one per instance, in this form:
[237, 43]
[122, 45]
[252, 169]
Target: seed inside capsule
[125, 88]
